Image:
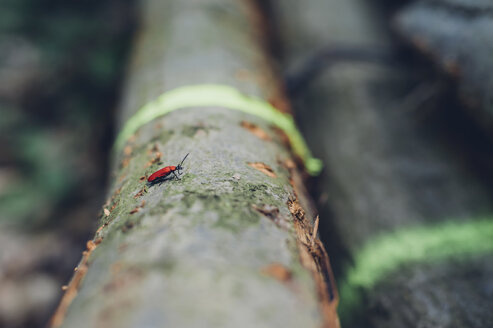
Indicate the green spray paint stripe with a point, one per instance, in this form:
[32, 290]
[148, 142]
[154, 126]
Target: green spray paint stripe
[208, 95]
[386, 253]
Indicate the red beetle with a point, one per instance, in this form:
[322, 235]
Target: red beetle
[160, 175]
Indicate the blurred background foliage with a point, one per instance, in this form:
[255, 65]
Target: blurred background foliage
[61, 64]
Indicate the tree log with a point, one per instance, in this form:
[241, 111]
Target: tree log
[456, 35]
[394, 161]
[230, 244]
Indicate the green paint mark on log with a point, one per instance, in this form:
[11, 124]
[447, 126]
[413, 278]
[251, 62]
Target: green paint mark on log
[207, 95]
[389, 252]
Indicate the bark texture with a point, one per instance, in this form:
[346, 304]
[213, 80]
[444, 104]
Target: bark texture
[228, 245]
[393, 159]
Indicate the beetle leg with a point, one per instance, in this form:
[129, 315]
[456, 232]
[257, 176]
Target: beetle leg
[176, 175]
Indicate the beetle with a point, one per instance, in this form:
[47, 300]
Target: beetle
[161, 174]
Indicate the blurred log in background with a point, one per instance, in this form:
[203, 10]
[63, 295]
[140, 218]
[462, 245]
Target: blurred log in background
[401, 147]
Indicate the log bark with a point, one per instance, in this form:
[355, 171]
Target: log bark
[456, 35]
[230, 244]
[394, 160]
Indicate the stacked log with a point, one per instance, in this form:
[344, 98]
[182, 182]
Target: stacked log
[456, 36]
[409, 208]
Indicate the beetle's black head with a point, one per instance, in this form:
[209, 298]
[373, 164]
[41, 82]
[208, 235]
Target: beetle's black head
[179, 167]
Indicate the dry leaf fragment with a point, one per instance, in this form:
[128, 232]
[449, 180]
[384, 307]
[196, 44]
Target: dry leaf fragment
[278, 271]
[264, 168]
[256, 130]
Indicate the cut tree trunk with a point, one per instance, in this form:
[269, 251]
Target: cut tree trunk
[228, 245]
[394, 159]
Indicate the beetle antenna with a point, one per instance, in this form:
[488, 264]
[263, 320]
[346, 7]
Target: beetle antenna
[184, 158]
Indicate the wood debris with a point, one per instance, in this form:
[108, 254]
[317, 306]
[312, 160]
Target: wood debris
[256, 130]
[264, 168]
[72, 288]
[278, 271]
